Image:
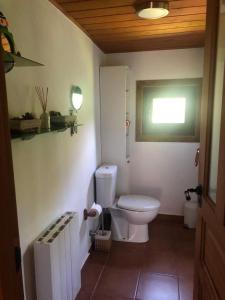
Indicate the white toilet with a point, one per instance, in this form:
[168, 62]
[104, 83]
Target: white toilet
[130, 213]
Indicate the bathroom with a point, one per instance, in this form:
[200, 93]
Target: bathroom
[55, 172]
[164, 172]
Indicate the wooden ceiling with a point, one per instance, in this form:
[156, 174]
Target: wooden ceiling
[115, 27]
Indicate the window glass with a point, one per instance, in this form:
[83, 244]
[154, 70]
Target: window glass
[168, 110]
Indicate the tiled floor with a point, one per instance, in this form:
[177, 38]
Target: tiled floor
[161, 269]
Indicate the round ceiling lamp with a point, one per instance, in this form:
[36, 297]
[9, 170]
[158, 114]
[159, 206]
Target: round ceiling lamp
[153, 9]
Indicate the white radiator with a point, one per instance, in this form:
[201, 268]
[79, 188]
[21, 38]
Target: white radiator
[57, 265]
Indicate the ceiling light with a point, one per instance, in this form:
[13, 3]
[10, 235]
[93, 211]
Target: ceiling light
[153, 9]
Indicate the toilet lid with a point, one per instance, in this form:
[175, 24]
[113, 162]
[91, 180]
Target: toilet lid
[138, 203]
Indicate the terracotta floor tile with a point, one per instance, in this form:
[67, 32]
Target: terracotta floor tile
[92, 270]
[186, 288]
[163, 262]
[83, 296]
[185, 264]
[161, 243]
[162, 237]
[165, 226]
[186, 234]
[98, 257]
[157, 287]
[117, 282]
[186, 247]
[153, 267]
[127, 258]
[129, 245]
[106, 297]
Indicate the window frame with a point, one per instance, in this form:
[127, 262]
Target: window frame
[142, 137]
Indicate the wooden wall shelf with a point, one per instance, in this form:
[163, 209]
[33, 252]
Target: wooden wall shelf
[29, 135]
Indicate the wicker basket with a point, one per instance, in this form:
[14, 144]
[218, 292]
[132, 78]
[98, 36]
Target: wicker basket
[103, 242]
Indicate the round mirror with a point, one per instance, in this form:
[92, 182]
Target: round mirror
[76, 97]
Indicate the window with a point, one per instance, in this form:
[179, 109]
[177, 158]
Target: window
[168, 110]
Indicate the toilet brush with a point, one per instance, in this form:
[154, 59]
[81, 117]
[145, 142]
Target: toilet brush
[103, 227]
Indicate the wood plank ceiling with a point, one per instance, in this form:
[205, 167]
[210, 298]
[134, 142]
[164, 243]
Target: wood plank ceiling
[115, 27]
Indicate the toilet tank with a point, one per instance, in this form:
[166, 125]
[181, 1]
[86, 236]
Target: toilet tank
[106, 185]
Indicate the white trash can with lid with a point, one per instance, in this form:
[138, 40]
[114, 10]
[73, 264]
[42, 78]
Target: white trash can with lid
[190, 214]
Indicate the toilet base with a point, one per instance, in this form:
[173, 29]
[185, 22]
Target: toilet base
[130, 233]
[130, 226]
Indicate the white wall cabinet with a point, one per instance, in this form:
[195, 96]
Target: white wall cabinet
[114, 90]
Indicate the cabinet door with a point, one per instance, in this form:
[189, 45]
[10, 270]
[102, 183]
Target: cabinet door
[113, 89]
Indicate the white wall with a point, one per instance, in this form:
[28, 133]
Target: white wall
[162, 170]
[53, 172]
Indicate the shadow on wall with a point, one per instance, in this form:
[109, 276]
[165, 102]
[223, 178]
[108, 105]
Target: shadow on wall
[143, 190]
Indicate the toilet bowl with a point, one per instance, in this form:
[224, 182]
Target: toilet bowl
[130, 213]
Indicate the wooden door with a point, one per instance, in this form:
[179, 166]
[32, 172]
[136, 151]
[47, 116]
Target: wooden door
[210, 240]
[11, 287]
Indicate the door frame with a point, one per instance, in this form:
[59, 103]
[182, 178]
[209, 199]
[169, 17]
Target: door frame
[11, 286]
[206, 115]
[208, 93]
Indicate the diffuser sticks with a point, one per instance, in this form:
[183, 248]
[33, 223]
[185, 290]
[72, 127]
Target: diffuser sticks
[43, 97]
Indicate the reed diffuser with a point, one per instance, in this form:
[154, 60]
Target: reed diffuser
[43, 99]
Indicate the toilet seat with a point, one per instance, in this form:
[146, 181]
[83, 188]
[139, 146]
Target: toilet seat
[138, 203]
